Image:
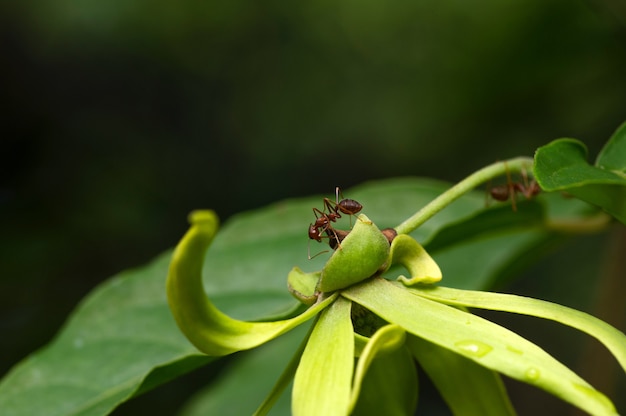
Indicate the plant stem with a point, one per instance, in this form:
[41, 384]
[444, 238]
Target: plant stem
[515, 165]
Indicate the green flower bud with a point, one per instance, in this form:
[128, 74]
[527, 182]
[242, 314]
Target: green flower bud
[362, 253]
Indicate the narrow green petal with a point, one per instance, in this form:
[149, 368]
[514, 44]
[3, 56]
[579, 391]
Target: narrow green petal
[387, 338]
[468, 388]
[612, 338]
[210, 330]
[323, 379]
[478, 339]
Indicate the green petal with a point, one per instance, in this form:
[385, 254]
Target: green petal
[386, 339]
[612, 338]
[210, 330]
[362, 253]
[324, 377]
[482, 341]
[410, 254]
[302, 285]
[390, 387]
[468, 388]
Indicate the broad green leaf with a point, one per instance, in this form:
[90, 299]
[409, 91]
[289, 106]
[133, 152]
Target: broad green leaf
[250, 376]
[120, 334]
[612, 338]
[480, 263]
[499, 219]
[468, 388]
[480, 340]
[324, 377]
[562, 166]
[613, 155]
[126, 322]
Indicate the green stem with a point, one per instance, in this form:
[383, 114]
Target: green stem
[516, 165]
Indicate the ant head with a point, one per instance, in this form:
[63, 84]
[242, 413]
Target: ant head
[315, 233]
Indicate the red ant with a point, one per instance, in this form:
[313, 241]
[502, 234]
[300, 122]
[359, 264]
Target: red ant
[323, 220]
[504, 192]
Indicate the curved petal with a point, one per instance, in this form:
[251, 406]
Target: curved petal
[612, 338]
[302, 285]
[390, 387]
[385, 340]
[210, 330]
[480, 340]
[409, 253]
[324, 377]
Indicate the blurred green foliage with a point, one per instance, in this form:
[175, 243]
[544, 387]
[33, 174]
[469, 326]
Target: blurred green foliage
[121, 117]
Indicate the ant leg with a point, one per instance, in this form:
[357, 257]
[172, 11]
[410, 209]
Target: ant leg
[530, 188]
[337, 193]
[511, 188]
[318, 213]
[333, 211]
[308, 249]
[525, 177]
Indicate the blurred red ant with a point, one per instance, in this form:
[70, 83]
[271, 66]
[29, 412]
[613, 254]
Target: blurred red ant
[504, 192]
[324, 219]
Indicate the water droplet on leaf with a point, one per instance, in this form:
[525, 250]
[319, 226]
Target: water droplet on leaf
[474, 348]
[532, 373]
[514, 350]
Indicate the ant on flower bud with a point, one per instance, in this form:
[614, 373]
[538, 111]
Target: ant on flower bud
[331, 213]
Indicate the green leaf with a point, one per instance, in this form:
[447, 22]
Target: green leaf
[613, 155]
[323, 380]
[612, 338]
[500, 219]
[121, 333]
[122, 339]
[468, 388]
[562, 166]
[482, 341]
[250, 376]
[480, 263]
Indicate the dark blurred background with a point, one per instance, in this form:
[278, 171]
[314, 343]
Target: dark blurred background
[120, 117]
